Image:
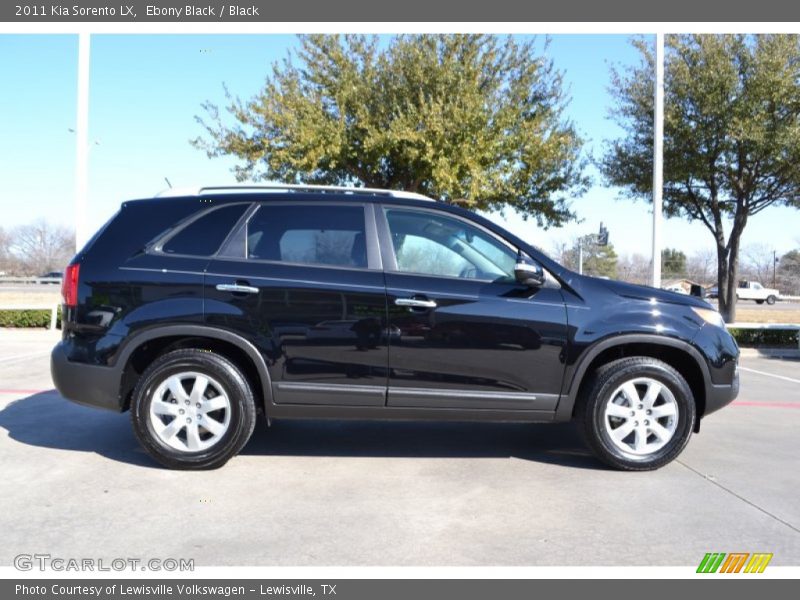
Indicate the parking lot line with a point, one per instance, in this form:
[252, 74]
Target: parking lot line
[769, 374]
[766, 404]
[714, 481]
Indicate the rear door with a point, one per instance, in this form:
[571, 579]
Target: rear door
[303, 281]
[464, 333]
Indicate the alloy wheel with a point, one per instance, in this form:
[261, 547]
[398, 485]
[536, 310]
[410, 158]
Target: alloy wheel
[641, 416]
[190, 411]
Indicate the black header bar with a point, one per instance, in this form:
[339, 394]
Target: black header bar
[408, 10]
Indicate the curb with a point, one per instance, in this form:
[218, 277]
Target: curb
[769, 352]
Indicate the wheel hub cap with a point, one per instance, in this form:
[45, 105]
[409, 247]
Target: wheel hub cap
[641, 416]
[190, 412]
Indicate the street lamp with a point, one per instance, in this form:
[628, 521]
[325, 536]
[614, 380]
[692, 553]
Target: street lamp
[658, 159]
[775, 261]
[602, 240]
[82, 143]
[83, 147]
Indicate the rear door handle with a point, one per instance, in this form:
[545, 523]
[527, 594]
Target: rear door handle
[237, 288]
[415, 303]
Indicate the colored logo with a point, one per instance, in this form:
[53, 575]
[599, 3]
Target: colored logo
[734, 562]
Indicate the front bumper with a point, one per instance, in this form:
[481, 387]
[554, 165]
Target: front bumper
[90, 385]
[718, 396]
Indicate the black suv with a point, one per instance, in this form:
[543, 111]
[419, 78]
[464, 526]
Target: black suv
[197, 312]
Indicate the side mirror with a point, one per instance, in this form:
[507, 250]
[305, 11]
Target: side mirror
[529, 274]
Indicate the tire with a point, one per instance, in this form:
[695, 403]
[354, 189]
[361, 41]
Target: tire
[762, 302]
[172, 388]
[605, 388]
[770, 300]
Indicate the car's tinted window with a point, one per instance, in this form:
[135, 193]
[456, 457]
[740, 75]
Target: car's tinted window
[310, 234]
[433, 244]
[203, 236]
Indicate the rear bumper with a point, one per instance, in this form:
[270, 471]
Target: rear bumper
[718, 396]
[85, 384]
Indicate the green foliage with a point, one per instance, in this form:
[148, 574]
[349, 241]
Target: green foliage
[790, 263]
[472, 117]
[731, 134]
[27, 318]
[673, 262]
[599, 261]
[774, 338]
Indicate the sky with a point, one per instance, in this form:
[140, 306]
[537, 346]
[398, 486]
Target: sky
[146, 91]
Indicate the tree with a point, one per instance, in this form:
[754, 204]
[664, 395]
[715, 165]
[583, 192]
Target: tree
[634, 268]
[700, 266]
[673, 262]
[758, 263]
[789, 272]
[40, 247]
[471, 117]
[600, 261]
[5, 250]
[731, 140]
[790, 263]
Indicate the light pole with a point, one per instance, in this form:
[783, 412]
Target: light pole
[658, 159]
[82, 143]
[602, 240]
[775, 260]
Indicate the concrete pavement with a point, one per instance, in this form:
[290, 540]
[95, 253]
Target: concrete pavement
[75, 484]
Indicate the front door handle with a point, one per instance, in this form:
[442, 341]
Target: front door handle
[237, 288]
[415, 303]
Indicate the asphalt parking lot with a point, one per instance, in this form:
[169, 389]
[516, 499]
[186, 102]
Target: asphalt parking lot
[75, 484]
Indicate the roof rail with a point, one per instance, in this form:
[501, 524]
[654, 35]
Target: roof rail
[291, 187]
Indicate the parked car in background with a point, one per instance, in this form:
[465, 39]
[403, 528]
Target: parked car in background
[753, 290]
[197, 312]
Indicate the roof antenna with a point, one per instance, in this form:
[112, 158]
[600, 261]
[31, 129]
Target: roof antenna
[168, 183]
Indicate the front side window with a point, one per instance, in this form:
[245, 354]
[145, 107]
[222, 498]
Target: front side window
[308, 234]
[438, 245]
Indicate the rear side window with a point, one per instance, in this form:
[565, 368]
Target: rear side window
[204, 235]
[306, 234]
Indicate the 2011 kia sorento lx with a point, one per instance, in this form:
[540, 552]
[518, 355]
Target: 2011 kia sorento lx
[196, 312]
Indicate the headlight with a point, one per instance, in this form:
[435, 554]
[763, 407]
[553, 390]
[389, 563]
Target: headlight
[709, 315]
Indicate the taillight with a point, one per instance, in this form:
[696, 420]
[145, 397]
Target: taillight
[69, 287]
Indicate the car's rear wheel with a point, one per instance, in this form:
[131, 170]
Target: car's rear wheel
[637, 413]
[193, 409]
[771, 300]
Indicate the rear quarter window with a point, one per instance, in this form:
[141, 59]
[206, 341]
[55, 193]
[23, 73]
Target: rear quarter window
[204, 235]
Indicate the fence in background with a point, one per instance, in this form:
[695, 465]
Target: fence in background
[31, 280]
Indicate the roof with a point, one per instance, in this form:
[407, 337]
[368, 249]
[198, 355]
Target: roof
[669, 282]
[286, 187]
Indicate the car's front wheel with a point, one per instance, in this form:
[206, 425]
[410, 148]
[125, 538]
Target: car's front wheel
[637, 413]
[193, 409]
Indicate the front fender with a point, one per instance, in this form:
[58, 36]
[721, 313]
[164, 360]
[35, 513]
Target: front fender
[575, 375]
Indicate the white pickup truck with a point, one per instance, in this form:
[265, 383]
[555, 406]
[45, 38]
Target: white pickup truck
[752, 290]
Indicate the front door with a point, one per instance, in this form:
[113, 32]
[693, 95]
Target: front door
[300, 280]
[463, 333]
